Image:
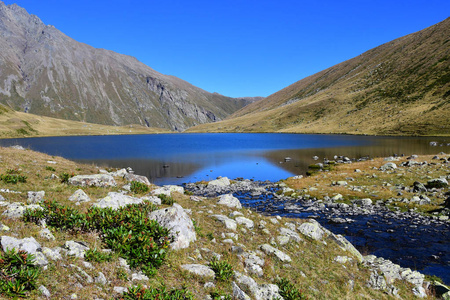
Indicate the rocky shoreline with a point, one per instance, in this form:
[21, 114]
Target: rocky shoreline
[209, 222]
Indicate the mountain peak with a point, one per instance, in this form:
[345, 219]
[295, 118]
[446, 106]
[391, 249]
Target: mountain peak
[47, 73]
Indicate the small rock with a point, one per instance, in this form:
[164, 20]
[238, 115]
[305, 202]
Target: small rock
[44, 291]
[269, 250]
[79, 196]
[246, 222]
[35, 197]
[75, 248]
[199, 270]
[46, 234]
[101, 279]
[230, 201]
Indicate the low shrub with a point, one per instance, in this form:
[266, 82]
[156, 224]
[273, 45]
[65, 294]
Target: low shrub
[127, 230]
[218, 295]
[222, 269]
[49, 168]
[288, 290]
[18, 273]
[97, 256]
[138, 187]
[167, 200]
[65, 177]
[13, 178]
[141, 293]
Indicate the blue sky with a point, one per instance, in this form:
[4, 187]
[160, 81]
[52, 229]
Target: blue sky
[236, 47]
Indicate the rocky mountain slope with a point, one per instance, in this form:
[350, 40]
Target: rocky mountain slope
[45, 72]
[401, 87]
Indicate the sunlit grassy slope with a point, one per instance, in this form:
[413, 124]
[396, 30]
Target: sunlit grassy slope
[17, 124]
[399, 88]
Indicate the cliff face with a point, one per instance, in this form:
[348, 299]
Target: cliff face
[45, 72]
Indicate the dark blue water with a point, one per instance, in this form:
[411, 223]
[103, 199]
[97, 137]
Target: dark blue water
[180, 158]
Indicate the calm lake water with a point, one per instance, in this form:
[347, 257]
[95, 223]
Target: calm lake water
[182, 158]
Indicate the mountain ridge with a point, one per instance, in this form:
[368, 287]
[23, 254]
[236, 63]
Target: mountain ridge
[44, 71]
[400, 87]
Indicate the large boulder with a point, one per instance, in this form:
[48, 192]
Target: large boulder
[229, 200]
[138, 178]
[313, 230]
[178, 222]
[98, 180]
[168, 190]
[16, 210]
[29, 245]
[437, 183]
[388, 166]
[115, 200]
[220, 182]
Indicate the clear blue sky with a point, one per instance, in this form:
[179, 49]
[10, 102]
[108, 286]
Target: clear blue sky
[238, 47]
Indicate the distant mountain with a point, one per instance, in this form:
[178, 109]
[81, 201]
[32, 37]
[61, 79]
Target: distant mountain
[401, 87]
[45, 72]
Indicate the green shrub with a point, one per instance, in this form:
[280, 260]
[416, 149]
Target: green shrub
[167, 200]
[138, 187]
[141, 293]
[13, 178]
[49, 168]
[97, 256]
[65, 177]
[222, 269]
[127, 230]
[288, 291]
[217, 295]
[58, 216]
[18, 273]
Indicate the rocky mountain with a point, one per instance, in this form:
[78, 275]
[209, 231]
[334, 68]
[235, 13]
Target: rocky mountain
[401, 87]
[45, 72]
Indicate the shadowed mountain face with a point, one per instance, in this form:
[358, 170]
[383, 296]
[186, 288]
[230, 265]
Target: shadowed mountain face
[45, 72]
[401, 87]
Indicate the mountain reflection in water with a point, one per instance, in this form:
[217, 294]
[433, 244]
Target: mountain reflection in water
[181, 158]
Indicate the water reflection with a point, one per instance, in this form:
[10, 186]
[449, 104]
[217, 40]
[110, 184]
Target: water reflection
[180, 158]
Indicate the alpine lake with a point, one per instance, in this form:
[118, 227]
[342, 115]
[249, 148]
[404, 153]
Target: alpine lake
[185, 158]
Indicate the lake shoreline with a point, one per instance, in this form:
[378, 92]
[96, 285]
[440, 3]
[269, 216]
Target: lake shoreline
[319, 262]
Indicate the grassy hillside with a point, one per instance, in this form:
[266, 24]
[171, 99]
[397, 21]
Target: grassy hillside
[399, 88]
[17, 124]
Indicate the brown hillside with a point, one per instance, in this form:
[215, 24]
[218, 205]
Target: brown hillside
[401, 87]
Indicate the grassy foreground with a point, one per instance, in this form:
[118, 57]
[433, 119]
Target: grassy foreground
[313, 271]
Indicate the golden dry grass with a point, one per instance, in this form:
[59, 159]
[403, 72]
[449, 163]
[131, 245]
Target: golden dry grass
[17, 124]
